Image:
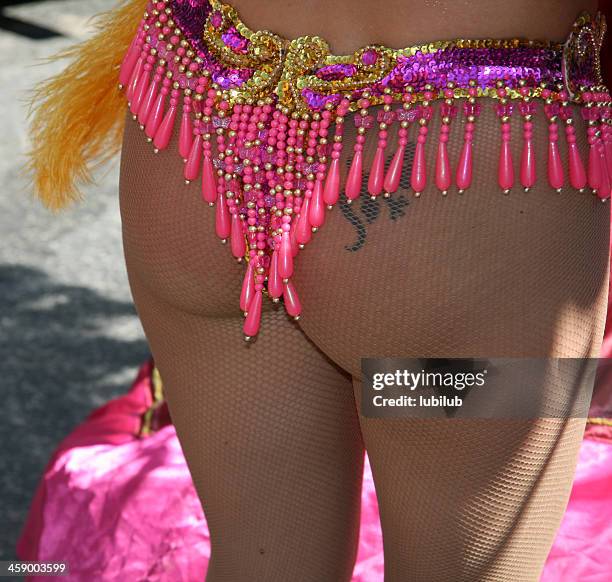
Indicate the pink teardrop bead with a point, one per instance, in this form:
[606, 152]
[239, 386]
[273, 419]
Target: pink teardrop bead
[285, 257]
[528, 169]
[418, 178]
[303, 232]
[594, 177]
[605, 185]
[355, 177]
[237, 241]
[127, 65]
[555, 166]
[155, 116]
[275, 283]
[222, 218]
[291, 300]
[377, 173]
[506, 168]
[464, 168]
[394, 172]
[209, 180]
[147, 103]
[577, 173]
[134, 77]
[164, 131]
[316, 212]
[185, 135]
[331, 192]
[248, 287]
[139, 92]
[192, 166]
[443, 171]
[253, 318]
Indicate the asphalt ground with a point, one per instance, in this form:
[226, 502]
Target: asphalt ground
[69, 335]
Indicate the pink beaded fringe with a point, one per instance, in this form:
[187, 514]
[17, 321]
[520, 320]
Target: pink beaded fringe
[271, 172]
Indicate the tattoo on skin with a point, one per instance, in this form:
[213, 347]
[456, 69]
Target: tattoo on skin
[370, 210]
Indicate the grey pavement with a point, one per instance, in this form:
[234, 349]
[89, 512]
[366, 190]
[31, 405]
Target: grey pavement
[69, 335]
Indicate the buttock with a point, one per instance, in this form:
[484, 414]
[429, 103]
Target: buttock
[169, 233]
[481, 272]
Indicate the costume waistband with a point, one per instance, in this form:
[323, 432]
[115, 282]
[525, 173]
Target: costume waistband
[207, 37]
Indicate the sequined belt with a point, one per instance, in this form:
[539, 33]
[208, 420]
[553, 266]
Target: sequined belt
[262, 118]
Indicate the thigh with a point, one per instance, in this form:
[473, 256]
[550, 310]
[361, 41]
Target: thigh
[269, 429]
[466, 500]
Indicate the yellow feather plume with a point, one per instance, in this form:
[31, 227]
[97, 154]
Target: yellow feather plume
[77, 116]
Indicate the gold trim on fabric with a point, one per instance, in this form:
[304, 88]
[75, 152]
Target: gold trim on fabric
[158, 399]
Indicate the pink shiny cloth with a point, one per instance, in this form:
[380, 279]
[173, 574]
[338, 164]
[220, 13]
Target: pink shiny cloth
[118, 507]
[115, 506]
[583, 547]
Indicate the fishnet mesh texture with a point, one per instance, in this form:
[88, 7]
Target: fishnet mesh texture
[271, 431]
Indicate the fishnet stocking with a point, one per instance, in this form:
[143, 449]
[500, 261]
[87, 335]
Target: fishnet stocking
[270, 430]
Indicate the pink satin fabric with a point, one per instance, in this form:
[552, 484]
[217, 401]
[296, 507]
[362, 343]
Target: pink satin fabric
[583, 547]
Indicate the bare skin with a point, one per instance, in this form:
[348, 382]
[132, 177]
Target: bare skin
[351, 24]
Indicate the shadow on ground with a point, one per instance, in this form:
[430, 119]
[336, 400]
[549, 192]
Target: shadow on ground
[64, 350]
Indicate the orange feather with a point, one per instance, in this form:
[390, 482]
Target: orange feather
[77, 116]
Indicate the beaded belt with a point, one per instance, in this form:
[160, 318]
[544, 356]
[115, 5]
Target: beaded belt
[274, 108]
